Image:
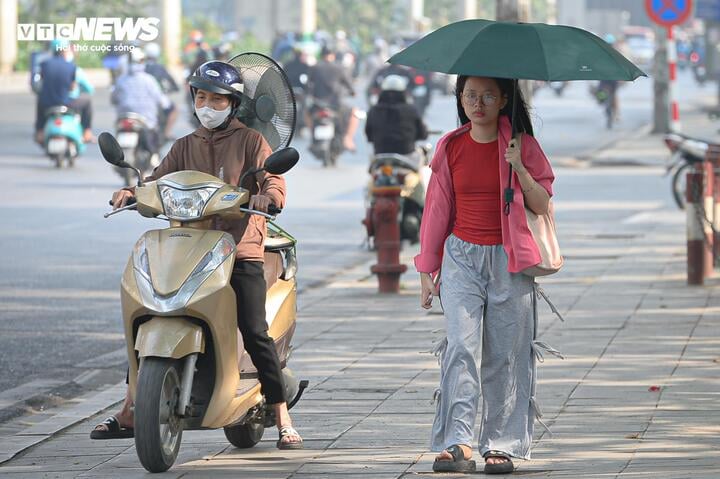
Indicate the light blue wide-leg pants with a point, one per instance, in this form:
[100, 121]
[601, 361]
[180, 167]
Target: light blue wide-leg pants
[489, 313]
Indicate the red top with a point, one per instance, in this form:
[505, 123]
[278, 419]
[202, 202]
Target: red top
[476, 182]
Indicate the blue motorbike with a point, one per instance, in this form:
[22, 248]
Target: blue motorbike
[63, 135]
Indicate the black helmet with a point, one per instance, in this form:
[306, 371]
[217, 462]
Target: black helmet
[217, 77]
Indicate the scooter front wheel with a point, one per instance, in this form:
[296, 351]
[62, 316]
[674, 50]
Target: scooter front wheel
[158, 428]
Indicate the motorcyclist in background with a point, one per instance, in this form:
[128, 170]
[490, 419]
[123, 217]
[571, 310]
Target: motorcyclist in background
[157, 70]
[138, 92]
[298, 73]
[393, 125]
[167, 85]
[58, 79]
[194, 49]
[221, 51]
[327, 82]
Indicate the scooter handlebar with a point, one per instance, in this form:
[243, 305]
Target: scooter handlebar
[131, 201]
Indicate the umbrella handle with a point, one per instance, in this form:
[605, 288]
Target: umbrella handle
[509, 193]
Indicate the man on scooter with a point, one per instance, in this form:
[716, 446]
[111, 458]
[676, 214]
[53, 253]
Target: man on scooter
[226, 148]
[393, 125]
[327, 82]
[58, 80]
[138, 92]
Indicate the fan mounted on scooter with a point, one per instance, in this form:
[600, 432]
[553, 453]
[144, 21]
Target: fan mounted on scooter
[268, 103]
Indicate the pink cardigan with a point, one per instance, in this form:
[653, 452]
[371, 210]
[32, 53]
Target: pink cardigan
[439, 213]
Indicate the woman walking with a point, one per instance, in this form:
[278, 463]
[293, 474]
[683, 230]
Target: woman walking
[481, 250]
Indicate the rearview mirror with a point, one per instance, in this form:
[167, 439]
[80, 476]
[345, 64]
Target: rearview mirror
[281, 161]
[111, 150]
[114, 155]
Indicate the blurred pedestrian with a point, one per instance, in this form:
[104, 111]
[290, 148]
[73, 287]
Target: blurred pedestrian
[480, 253]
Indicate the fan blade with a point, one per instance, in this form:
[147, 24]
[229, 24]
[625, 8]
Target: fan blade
[268, 131]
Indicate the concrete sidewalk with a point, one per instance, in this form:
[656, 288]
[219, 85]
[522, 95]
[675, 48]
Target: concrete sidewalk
[637, 396]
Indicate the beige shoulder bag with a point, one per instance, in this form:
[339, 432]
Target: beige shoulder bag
[542, 228]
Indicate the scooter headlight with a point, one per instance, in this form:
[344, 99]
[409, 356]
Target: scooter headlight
[185, 205]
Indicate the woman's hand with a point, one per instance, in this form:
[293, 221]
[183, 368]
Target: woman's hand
[260, 203]
[428, 290]
[120, 198]
[513, 155]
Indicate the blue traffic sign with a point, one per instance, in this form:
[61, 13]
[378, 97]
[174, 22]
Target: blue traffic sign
[668, 12]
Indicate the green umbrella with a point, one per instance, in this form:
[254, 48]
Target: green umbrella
[532, 51]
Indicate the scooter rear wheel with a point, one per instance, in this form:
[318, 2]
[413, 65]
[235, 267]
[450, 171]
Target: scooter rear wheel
[245, 436]
[158, 428]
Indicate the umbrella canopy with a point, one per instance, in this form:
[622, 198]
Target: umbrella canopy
[532, 51]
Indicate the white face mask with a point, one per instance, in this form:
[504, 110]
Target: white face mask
[210, 118]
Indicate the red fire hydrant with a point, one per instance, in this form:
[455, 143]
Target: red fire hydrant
[385, 210]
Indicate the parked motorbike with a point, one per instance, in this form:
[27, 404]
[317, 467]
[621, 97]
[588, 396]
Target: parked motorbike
[63, 135]
[412, 174]
[327, 133]
[140, 151]
[686, 154]
[187, 365]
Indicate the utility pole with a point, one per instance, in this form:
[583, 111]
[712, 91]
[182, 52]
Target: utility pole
[661, 83]
[308, 18]
[468, 9]
[8, 35]
[516, 11]
[171, 35]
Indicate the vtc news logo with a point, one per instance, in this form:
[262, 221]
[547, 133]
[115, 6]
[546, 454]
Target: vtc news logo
[92, 29]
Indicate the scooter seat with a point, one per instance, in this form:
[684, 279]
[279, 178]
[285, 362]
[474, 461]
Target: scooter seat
[409, 162]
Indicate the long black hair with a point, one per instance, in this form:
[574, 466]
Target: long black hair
[506, 85]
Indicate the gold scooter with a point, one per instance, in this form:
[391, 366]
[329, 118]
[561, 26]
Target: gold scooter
[187, 365]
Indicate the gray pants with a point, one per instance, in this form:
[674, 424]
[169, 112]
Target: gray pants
[488, 311]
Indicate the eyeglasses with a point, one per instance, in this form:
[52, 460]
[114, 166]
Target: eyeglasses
[486, 99]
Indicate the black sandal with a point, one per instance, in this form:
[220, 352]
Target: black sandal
[114, 431]
[458, 463]
[505, 467]
[286, 431]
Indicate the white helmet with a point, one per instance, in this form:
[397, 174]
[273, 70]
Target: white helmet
[152, 50]
[137, 55]
[394, 83]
